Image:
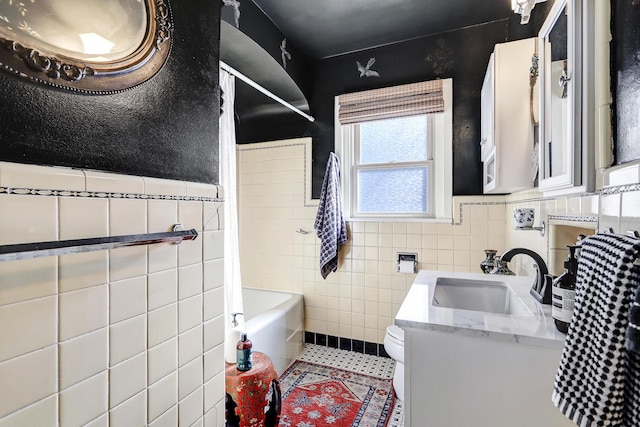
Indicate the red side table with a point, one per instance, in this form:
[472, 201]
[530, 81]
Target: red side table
[253, 396]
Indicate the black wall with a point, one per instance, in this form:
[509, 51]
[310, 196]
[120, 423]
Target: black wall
[284, 124]
[625, 57]
[167, 127]
[255, 24]
[462, 55]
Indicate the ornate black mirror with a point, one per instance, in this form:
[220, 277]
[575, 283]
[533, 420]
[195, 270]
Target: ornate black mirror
[89, 46]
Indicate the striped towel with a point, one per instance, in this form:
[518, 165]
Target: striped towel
[598, 380]
[330, 226]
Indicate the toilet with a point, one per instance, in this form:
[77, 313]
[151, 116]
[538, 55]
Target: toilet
[394, 346]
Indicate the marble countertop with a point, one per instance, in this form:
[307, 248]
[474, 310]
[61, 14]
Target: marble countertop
[418, 312]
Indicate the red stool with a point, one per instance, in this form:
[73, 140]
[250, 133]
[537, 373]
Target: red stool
[253, 396]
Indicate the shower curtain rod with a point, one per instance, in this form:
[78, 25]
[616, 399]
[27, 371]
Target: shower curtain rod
[255, 85]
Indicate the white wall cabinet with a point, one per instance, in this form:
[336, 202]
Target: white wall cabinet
[568, 98]
[507, 132]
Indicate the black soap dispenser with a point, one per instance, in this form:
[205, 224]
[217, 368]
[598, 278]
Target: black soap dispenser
[564, 292]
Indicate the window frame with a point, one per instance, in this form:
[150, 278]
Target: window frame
[440, 169]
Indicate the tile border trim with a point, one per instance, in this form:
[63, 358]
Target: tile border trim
[619, 189]
[342, 343]
[574, 218]
[103, 195]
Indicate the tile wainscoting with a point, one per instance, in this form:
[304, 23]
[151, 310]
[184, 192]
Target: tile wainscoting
[360, 300]
[130, 336]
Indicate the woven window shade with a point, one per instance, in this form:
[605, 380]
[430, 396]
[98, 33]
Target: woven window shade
[386, 103]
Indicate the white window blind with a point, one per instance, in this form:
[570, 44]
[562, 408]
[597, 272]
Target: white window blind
[386, 103]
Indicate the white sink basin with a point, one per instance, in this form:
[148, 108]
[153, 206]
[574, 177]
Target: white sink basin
[490, 296]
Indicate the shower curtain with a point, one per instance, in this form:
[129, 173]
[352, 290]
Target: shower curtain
[227, 140]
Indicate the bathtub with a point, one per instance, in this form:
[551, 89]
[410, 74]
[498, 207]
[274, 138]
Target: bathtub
[274, 322]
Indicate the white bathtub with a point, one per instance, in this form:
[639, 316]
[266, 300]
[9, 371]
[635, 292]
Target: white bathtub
[274, 322]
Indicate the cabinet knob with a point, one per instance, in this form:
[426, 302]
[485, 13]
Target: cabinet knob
[483, 141]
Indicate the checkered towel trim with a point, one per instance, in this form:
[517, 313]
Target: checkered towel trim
[330, 225]
[598, 380]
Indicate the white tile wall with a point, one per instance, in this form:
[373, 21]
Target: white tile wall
[84, 401]
[163, 395]
[28, 279]
[25, 219]
[162, 324]
[83, 357]
[132, 412]
[359, 300]
[83, 311]
[168, 419]
[190, 345]
[362, 297]
[109, 338]
[27, 326]
[42, 413]
[163, 360]
[162, 288]
[190, 407]
[127, 298]
[127, 379]
[127, 338]
[17, 175]
[27, 379]
[189, 378]
[101, 421]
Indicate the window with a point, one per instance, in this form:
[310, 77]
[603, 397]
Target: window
[398, 165]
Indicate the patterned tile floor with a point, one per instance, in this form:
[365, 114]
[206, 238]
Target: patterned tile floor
[356, 362]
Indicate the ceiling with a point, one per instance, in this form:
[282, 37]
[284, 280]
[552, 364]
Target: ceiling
[326, 28]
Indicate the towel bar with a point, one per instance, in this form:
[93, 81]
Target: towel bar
[63, 247]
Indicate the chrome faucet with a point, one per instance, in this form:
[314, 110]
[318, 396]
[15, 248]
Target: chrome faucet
[541, 289]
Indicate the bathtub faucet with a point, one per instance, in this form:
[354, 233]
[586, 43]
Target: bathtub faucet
[234, 322]
[541, 289]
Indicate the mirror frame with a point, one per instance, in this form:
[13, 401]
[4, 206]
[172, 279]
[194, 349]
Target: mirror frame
[18, 58]
[582, 70]
[572, 147]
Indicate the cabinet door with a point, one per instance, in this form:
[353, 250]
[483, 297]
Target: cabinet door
[567, 119]
[487, 114]
[508, 151]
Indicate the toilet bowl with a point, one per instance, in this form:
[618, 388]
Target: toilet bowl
[394, 346]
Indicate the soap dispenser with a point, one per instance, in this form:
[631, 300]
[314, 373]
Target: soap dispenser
[232, 335]
[244, 353]
[564, 292]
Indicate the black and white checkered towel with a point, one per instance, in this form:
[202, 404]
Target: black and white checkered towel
[633, 330]
[330, 226]
[598, 380]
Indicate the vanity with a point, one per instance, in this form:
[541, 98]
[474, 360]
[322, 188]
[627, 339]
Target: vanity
[479, 351]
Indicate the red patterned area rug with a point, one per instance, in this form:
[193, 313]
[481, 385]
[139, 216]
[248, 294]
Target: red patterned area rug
[315, 396]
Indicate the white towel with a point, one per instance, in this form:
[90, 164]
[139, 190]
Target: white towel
[597, 383]
[330, 226]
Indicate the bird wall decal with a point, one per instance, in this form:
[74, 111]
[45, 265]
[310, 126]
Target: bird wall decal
[283, 51]
[235, 4]
[367, 71]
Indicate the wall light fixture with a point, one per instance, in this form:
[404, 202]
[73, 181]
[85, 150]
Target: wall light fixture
[524, 8]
